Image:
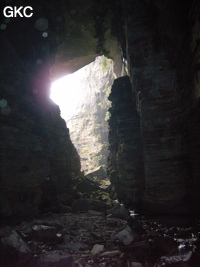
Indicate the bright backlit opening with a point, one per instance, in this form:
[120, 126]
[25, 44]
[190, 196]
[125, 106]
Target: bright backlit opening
[65, 92]
[83, 101]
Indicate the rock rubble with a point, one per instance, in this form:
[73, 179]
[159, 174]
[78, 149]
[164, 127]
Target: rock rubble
[91, 239]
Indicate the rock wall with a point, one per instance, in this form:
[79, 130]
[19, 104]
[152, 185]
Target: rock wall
[160, 47]
[88, 123]
[125, 163]
[189, 87]
[35, 142]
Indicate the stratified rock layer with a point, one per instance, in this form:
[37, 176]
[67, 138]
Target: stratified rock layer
[159, 54]
[155, 84]
[35, 145]
[125, 165]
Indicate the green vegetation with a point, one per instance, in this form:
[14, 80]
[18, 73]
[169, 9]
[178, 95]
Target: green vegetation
[107, 116]
[108, 90]
[106, 64]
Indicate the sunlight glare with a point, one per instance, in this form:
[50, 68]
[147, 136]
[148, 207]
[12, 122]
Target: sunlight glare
[66, 92]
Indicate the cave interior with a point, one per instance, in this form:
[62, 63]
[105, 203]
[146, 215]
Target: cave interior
[153, 132]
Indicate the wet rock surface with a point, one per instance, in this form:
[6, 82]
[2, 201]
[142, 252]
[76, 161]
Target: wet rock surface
[93, 239]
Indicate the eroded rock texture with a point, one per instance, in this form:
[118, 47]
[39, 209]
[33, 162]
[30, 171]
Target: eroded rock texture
[162, 53]
[88, 121]
[35, 142]
[189, 75]
[155, 84]
[125, 163]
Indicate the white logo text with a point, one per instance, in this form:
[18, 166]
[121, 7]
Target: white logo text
[13, 12]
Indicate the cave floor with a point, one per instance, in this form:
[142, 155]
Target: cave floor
[93, 239]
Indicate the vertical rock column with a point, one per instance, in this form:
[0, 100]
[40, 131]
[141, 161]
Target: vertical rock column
[190, 85]
[125, 165]
[155, 85]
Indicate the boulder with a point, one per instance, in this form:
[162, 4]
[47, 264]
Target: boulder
[99, 175]
[85, 186]
[119, 211]
[15, 241]
[113, 253]
[97, 249]
[125, 237]
[44, 233]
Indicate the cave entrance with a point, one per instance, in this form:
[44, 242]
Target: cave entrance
[83, 101]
